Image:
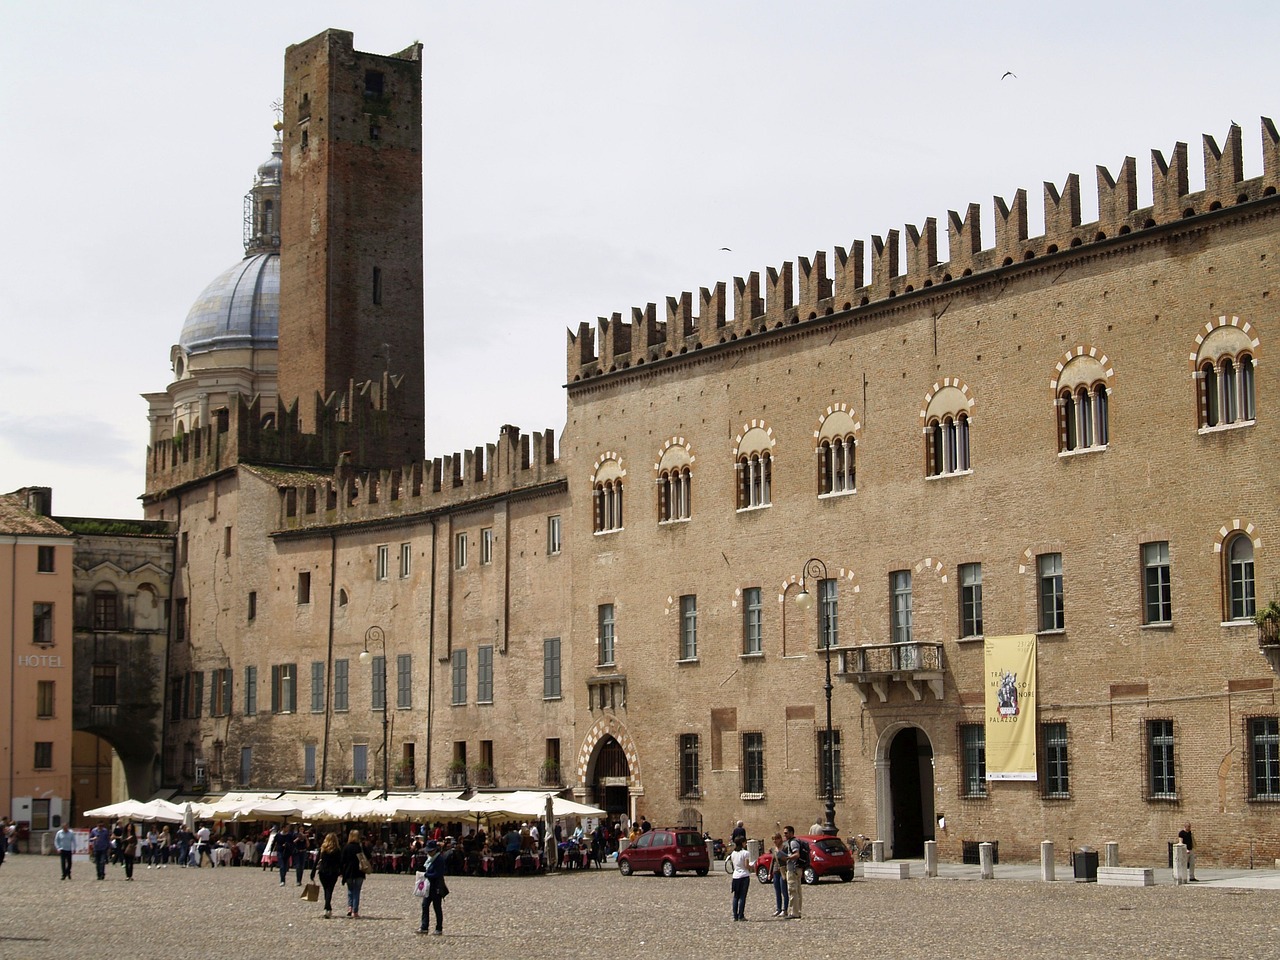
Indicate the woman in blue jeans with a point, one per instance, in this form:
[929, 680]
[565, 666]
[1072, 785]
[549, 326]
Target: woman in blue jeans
[778, 870]
[352, 875]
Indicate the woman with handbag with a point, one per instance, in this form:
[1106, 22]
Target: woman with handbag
[329, 866]
[355, 865]
[436, 889]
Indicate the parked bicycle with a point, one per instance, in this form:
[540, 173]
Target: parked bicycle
[860, 846]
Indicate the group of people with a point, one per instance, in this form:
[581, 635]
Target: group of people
[786, 872]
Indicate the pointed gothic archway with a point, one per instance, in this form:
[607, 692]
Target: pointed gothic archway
[904, 790]
[608, 770]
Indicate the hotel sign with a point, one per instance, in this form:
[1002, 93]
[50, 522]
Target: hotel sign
[39, 660]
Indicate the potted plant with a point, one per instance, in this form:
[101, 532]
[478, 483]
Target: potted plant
[457, 771]
[550, 772]
[1268, 620]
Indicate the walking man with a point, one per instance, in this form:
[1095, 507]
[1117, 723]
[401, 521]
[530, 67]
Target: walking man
[795, 872]
[1184, 837]
[64, 841]
[100, 847]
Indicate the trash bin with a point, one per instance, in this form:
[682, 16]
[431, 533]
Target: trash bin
[1085, 862]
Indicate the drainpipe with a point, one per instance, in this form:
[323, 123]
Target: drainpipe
[13, 659]
[168, 637]
[431, 655]
[328, 701]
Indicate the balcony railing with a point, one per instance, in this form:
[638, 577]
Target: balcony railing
[1269, 634]
[549, 775]
[482, 776]
[874, 667]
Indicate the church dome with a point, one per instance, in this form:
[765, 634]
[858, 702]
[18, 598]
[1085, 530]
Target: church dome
[239, 309]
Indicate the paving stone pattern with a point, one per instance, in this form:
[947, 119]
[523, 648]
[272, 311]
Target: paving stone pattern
[244, 914]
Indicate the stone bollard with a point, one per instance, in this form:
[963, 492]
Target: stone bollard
[711, 851]
[1046, 861]
[931, 858]
[877, 851]
[1180, 874]
[1111, 854]
[987, 859]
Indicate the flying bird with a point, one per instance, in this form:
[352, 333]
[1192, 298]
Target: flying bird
[1009, 73]
[726, 248]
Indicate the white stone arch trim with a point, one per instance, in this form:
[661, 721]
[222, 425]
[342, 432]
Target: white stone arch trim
[838, 574]
[839, 420]
[933, 565]
[883, 788]
[949, 395]
[1226, 532]
[675, 453]
[1081, 365]
[609, 727]
[755, 437]
[1226, 336]
[608, 466]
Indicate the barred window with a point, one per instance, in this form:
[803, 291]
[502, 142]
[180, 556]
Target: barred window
[1057, 778]
[973, 751]
[1264, 758]
[1162, 777]
[753, 763]
[690, 767]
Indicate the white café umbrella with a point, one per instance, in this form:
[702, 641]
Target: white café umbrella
[128, 809]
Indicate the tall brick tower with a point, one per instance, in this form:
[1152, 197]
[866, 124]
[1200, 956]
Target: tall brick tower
[351, 237]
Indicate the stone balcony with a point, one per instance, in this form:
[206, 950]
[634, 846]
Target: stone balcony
[875, 667]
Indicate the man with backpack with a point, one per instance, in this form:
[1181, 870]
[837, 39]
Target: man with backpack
[797, 860]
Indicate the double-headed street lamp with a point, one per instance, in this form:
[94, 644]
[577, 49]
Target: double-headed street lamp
[375, 635]
[817, 570]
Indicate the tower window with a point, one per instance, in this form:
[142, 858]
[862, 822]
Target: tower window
[377, 286]
[373, 83]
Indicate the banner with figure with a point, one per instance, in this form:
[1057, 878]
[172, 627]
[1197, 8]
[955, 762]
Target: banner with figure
[1011, 710]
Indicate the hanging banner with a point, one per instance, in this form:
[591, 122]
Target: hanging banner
[1011, 711]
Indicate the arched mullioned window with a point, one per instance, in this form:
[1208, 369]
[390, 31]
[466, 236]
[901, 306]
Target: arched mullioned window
[837, 448]
[1224, 374]
[675, 482]
[1082, 398]
[947, 417]
[606, 494]
[1238, 577]
[753, 461]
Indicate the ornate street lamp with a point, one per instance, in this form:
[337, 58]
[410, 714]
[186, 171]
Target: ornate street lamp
[375, 635]
[817, 570]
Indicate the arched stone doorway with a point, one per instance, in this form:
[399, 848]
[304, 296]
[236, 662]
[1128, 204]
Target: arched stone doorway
[904, 791]
[608, 770]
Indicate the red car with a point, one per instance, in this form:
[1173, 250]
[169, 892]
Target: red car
[666, 852]
[827, 856]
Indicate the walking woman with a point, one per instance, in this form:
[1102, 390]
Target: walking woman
[352, 874]
[436, 890]
[778, 873]
[743, 866]
[329, 866]
[129, 851]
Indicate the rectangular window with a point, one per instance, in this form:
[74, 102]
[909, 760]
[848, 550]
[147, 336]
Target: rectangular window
[690, 767]
[484, 674]
[406, 560]
[604, 617]
[460, 551]
[973, 750]
[317, 686]
[104, 685]
[551, 669]
[304, 587]
[380, 564]
[246, 765]
[900, 606]
[220, 693]
[970, 599]
[309, 765]
[486, 545]
[1264, 758]
[42, 623]
[1163, 784]
[404, 681]
[341, 685]
[44, 699]
[284, 688]
[377, 682]
[1057, 773]
[752, 621]
[195, 693]
[44, 559]
[253, 605]
[375, 132]
[250, 694]
[373, 84]
[1157, 593]
[459, 677]
[1052, 611]
[44, 755]
[829, 763]
[180, 619]
[105, 610]
[176, 688]
[828, 614]
[689, 627]
[226, 541]
[753, 763]
[359, 763]
[553, 535]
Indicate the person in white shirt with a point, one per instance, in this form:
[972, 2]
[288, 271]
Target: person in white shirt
[743, 867]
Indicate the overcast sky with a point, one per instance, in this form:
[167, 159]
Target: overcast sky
[581, 158]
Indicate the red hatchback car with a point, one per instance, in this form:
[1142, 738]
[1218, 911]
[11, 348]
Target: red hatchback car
[828, 856]
[666, 852]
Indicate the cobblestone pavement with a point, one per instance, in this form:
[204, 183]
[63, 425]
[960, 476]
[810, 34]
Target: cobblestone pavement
[244, 914]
